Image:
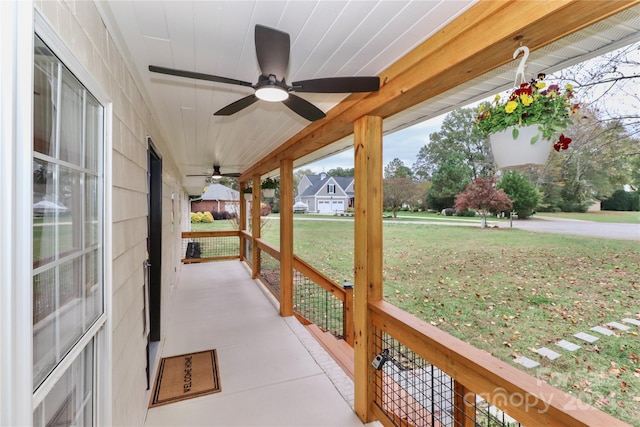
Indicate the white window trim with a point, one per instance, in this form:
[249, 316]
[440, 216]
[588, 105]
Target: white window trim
[103, 344]
[16, 140]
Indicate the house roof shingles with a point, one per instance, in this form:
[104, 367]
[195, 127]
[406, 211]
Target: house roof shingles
[318, 181]
[220, 192]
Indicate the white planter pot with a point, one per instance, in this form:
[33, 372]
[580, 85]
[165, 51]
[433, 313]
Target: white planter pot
[268, 192]
[510, 153]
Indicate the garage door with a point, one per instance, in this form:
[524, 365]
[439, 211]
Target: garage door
[337, 206]
[324, 206]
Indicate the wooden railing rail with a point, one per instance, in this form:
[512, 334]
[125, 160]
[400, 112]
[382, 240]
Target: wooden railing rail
[319, 278]
[199, 234]
[263, 245]
[522, 396]
[209, 247]
[344, 294]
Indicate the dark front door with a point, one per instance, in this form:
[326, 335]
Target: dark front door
[154, 242]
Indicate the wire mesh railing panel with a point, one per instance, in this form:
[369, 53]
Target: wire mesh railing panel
[318, 305]
[211, 247]
[270, 272]
[413, 392]
[488, 415]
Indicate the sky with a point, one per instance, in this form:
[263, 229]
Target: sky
[404, 145]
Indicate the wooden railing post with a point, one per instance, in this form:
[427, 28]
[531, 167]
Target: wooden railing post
[347, 313]
[286, 237]
[255, 226]
[242, 220]
[464, 409]
[367, 255]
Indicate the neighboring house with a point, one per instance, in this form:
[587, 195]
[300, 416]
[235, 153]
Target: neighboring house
[217, 198]
[326, 194]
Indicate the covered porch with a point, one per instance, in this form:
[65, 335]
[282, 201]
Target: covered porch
[272, 371]
[404, 370]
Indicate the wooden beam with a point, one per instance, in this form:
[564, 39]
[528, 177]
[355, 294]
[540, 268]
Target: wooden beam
[367, 253]
[286, 237]
[479, 40]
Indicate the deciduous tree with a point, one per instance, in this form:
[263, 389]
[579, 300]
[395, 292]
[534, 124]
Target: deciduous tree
[483, 196]
[451, 177]
[458, 136]
[400, 191]
[521, 191]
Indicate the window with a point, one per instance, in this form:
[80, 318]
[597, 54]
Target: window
[331, 188]
[68, 287]
[71, 401]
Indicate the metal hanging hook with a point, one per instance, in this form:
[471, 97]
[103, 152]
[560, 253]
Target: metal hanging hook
[523, 64]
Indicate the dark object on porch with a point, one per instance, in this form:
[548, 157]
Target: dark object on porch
[193, 250]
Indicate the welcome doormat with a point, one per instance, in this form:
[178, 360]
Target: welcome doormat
[186, 376]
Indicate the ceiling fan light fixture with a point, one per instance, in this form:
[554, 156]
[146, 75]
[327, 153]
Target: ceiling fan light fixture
[216, 173]
[272, 93]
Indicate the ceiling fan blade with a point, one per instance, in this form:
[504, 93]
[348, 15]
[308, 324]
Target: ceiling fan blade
[232, 174]
[272, 50]
[234, 107]
[303, 108]
[338, 85]
[200, 174]
[199, 76]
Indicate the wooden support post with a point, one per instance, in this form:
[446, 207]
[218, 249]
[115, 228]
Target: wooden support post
[242, 219]
[286, 237]
[464, 406]
[255, 226]
[367, 254]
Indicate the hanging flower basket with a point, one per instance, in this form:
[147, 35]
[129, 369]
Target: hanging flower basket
[524, 126]
[268, 192]
[511, 152]
[269, 186]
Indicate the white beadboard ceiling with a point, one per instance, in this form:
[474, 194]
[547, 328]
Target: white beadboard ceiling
[328, 39]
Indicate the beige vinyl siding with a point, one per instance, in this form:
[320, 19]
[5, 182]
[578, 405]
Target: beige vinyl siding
[81, 27]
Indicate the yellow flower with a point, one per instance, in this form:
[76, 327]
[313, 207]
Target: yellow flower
[569, 87]
[510, 107]
[497, 98]
[541, 85]
[526, 99]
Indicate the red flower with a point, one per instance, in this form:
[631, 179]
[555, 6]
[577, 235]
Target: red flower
[562, 144]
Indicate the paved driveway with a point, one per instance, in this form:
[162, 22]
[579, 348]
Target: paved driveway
[580, 228]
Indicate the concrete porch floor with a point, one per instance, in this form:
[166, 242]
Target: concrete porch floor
[272, 372]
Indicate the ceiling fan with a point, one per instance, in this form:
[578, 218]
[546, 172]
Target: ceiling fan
[217, 174]
[272, 50]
